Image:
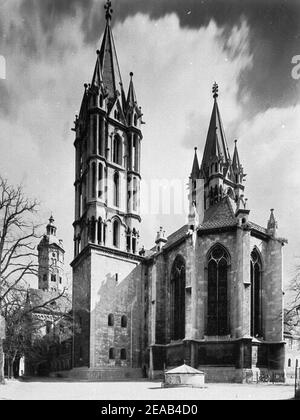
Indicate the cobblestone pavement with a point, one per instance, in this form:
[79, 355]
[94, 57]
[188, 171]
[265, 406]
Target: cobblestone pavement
[58, 389]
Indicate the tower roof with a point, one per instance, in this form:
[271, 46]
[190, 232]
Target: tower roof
[131, 97]
[236, 160]
[50, 237]
[216, 145]
[51, 228]
[97, 77]
[195, 174]
[108, 70]
[272, 224]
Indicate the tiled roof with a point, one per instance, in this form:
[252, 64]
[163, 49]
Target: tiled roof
[174, 237]
[257, 227]
[220, 215]
[180, 233]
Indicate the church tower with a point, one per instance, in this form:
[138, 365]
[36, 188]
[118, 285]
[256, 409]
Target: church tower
[51, 260]
[108, 145]
[219, 175]
[107, 198]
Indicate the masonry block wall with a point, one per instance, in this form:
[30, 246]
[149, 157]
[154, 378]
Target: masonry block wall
[81, 309]
[235, 281]
[273, 291]
[116, 290]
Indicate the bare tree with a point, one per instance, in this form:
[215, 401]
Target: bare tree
[27, 315]
[18, 232]
[292, 309]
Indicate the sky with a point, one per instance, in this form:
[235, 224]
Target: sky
[176, 50]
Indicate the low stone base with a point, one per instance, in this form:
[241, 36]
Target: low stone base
[214, 374]
[163, 385]
[103, 374]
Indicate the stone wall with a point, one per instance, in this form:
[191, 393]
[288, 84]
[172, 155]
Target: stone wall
[81, 310]
[116, 289]
[272, 291]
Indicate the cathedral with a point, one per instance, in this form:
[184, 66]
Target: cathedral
[209, 295]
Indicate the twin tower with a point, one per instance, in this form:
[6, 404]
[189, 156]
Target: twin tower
[108, 154]
[210, 294]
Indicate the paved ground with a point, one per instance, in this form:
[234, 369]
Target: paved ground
[59, 389]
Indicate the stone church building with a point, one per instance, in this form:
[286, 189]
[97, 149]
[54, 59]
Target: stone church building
[210, 294]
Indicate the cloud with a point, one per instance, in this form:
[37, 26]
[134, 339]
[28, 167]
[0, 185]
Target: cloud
[174, 65]
[268, 146]
[43, 93]
[274, 29]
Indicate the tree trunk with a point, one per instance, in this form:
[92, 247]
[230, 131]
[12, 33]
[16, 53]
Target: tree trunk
[1, 363]
[8, 369]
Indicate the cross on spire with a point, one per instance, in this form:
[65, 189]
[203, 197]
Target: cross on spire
[215, 90]
[109, 10]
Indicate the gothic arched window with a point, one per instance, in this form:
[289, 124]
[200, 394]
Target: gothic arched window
[178, 299]
[135, 153]
[100, 180]
[217, 313]
[216, 194]
[95, 128]
[134, 194]
[230, 193]
[99, 231]
[128, 240]
[93, 180]
[93, 229]
[211, 196]
[116, 189]
[255, 273]
[134, 235]
[117, 150]
[116, 233]
[123, 354]
[111, 353]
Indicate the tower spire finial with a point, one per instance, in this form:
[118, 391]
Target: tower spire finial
[215, 90]
[109, 11]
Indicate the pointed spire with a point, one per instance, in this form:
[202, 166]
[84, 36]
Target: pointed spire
[97, 80]
[108, 62]
[195, 174]
[51, 228]
[161, 239]
[236, 160]
[272, 224]
[216, 144]
[131, 97]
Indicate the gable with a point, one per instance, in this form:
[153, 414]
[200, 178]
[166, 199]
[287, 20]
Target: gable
[219, 215]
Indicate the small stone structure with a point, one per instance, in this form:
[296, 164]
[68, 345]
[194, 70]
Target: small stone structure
[184, 375]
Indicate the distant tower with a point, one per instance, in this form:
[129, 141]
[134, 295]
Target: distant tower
[51, 260]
